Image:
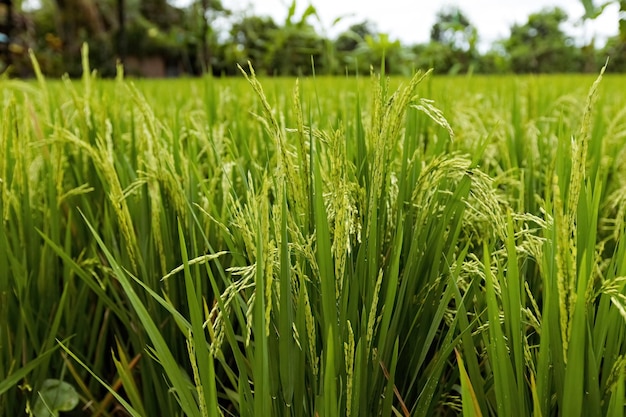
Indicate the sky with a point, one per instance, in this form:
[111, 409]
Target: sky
[410, 21]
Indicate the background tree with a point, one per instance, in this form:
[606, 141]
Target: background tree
[380, 49]
[120, 36]
[295, 44]
[160, 13]
[348, 42]
[615, 51]
[453, 43]
[437, 56]
[494, 61]
[540, 45]
[58, 29]
[205, 35]
[253, 36]
[78, 21]
[454, 29]
[615, 47]
[209, 10]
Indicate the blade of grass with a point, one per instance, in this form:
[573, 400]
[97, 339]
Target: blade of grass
[471, 408]
[170, 366]
[13, 379]
[286, 344]
[506, 394]
[118, 397]
[262, 397]
[207, 391]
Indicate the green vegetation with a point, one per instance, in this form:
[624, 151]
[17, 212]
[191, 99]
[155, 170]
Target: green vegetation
[162, 38]
[331, 247]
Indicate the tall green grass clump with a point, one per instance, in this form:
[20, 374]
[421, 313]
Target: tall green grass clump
[315, 247]
[79, 157]
[551, 318]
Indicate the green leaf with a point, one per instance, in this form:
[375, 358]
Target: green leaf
[471, 408]
[117, 396]
[504, 379]
[310, 11]
[161, 347]
[331, 404]
[14, 378]
[286, 345]
[616, 404]
[591, 10]
[55, 396]
[205, 364]
[290, 13]
[574, 389]
[125, 372]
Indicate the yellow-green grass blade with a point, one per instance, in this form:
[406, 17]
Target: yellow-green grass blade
[537, 409]
[471, 408]
[504, 379]
[114, 305]
[324, 253]
[170, 366]
[616, 403]
[245, 399]
[288, 352]
[262, 396]
[512, 298]
[15, 377]
[391, 290]
[206, 388]
[467, 342]
[574, 389]
[550, 361]
[360, 380]
[53, 332]
[125, 372]
[117, 396]
[390, 374]
[425, 403]
[330, 398]
[434, 326]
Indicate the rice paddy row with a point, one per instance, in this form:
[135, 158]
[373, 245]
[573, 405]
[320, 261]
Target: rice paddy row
[330, 246]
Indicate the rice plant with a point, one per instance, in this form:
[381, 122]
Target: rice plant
[324, 246]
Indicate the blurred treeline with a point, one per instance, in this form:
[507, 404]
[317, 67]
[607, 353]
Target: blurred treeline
[157, 38]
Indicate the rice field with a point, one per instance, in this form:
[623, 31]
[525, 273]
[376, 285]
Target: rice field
[316, 247]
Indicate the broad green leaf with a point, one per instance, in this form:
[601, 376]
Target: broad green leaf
[54, 396]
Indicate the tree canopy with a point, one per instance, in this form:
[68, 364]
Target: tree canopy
[540, 45]
[146, 34]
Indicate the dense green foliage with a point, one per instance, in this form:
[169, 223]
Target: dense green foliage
[207, 36]
[539, 45]
[332, 247]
